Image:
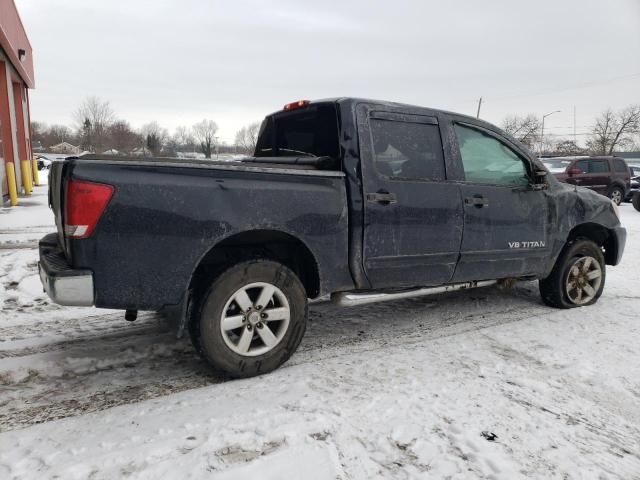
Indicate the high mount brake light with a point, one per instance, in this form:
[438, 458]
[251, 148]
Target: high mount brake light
[84, 204]
[294, 105]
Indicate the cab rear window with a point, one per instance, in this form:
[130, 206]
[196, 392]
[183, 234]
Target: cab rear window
[308, 131]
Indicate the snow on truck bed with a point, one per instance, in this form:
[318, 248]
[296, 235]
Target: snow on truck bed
[478, 384]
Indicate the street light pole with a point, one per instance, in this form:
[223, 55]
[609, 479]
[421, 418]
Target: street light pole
[542, 130]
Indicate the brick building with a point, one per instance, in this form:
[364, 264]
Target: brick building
[16, 78]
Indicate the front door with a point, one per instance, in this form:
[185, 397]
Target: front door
[505, 221]
[412, 215]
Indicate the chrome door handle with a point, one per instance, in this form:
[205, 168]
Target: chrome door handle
[382, 197]
[477, 201]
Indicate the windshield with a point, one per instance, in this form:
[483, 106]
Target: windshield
[555, 165]
[310, 131]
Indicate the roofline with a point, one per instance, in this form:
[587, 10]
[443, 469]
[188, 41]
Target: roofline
[357, 100]
[12, 54]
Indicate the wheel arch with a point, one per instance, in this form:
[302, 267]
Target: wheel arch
[600, 235]
[270, 244]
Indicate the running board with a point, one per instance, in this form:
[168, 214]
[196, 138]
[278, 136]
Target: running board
[351, 299]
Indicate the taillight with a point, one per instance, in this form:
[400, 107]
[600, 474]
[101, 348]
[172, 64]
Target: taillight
[294, 105]
[84, 203]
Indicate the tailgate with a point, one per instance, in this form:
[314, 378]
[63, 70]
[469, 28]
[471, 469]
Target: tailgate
[56, 183]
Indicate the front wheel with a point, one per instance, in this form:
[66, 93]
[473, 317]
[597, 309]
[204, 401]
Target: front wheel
[252, 318]
[577, 279]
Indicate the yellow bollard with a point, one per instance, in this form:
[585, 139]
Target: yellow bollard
[11, 181]
[27, 180]
[34, 169]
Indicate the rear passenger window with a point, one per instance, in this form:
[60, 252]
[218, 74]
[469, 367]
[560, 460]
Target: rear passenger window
[620, 166]
[487, 160]
[598, 166]
[406, 149]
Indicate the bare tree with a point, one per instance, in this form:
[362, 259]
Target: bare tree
[525, 129]
[155, 137]
[568, 147]
[614, 130]
[122, 137]
[183, 138]
[38, 130]
[58, 134]
[205, 133]
[51, 135]
[247, 137]
[92, 118]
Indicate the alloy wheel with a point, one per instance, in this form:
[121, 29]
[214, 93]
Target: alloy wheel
[583, 280]
[255, 319]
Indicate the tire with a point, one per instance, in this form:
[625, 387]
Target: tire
[555, 289]
[636, 201]
[616, 194]
[252, 344]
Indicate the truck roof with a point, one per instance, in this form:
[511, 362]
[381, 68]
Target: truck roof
[352, 102]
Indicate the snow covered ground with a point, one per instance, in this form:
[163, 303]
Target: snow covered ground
[480, 384]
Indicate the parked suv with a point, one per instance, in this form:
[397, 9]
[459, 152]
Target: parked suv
[634, 171]
[606, 175]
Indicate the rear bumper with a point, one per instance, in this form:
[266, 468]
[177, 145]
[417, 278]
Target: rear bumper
[63, 284]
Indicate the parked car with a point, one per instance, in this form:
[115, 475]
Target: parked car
[634, 172]
[358, 199]
[606, 175]
[43, 162]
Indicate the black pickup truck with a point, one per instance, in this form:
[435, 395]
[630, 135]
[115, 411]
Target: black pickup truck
[358, 199]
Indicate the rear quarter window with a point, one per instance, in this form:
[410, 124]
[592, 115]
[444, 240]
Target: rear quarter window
[620, 166]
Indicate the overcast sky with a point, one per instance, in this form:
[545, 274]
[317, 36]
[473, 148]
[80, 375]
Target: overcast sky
[178, 62]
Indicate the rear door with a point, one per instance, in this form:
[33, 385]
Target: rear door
[598, 177]
[412, 214]
[505, 221]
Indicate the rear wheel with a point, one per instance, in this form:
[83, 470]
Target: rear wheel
[578, 277]
[616, 194]
[251, 319]
[636, 201]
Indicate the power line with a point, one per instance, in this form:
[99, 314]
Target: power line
[559, 89]
[565, 88]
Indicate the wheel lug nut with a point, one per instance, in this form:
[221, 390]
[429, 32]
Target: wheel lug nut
[259, 325]
[259, 307]
[263, 315]
[249, 327]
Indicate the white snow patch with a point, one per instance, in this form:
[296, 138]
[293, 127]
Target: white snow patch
[482, 384]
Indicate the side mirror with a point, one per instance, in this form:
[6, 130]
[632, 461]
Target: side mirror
[574, 171]
[540, 179]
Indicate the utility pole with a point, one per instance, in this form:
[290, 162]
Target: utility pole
[479, 105]
[575, 137]
[542, 130]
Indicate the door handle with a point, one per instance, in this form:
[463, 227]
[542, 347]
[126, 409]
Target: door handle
[477, 201]
[382, 197]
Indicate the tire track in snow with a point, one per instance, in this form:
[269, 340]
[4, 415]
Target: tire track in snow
[96, 369]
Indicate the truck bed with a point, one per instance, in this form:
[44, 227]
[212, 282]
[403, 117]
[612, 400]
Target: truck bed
[167, 214]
